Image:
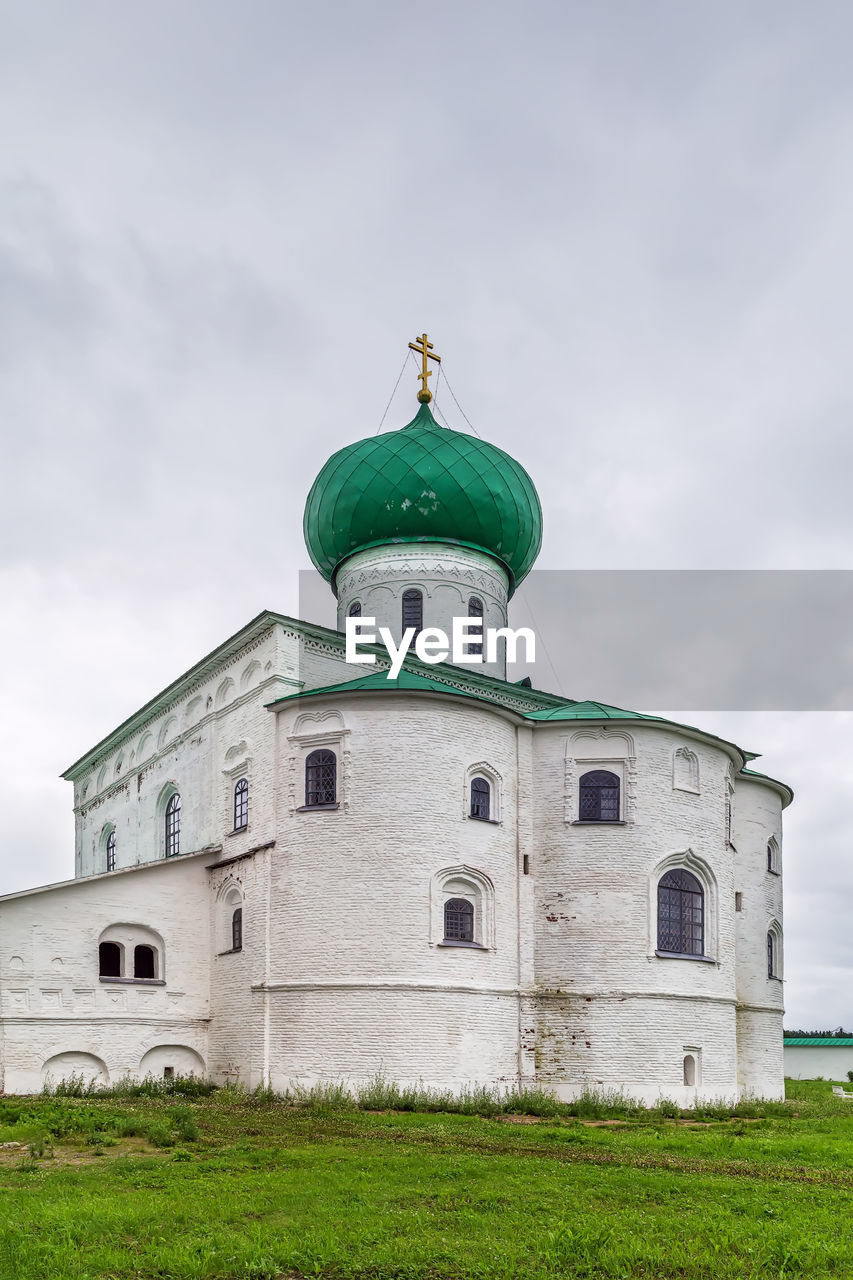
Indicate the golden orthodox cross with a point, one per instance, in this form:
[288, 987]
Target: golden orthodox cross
[424, 349]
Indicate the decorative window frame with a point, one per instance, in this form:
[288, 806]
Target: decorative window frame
[308, 735]
[687, 860]
[128, 936]
[238, 764]
[229, 897]
[773, 863]
[484, 770]
[108, 829]
[695, 1053]
[689, 784]
[581, 757]
[169, 789]
[463, 881]
[774, 931]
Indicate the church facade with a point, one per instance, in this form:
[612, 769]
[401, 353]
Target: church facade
[293, 869]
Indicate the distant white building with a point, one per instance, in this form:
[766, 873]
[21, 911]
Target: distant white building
[818, 1057]
[293, 869]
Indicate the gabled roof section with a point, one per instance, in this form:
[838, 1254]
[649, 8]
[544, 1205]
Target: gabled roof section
[475, 684]
[200, 671]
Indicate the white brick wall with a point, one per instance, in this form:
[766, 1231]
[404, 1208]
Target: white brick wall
[342, 974]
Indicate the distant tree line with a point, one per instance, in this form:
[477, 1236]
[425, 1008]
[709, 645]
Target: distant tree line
[838, 1034]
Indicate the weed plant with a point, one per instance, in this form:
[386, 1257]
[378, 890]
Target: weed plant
[381, 1094]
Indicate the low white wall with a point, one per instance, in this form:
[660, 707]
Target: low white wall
[809, 1062]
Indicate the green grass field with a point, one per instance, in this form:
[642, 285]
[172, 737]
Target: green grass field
[232, 1186]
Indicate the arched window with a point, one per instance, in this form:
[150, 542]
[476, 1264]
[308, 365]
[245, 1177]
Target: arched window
[680, 914]
[237, 929]
[109, 960]
[458, 920]
[321, 768]
[144, 962]
[111, 850]
[599, 797]
[689, 1070]
[771, 956]
[475, 610]
[413, 609]
[772, 855]
[241, 805]
[480, 797]
[355, 609]
[173, 826]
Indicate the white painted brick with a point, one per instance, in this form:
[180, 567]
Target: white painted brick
[339, 976]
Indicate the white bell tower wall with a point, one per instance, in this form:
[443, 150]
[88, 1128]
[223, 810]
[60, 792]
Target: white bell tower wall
[447, 576]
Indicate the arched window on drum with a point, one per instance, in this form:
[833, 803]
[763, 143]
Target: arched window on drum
[413, 610]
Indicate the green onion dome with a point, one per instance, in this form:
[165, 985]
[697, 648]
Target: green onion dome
[424, 483]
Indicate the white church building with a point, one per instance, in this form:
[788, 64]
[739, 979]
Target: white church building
[290, 868]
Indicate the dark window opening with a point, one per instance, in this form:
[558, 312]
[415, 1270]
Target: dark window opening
[599, 797]
[458, 920]
[109, 960]
[681, 914]
[237, 929]
[480, 798]
[168, 1073]
[173, 826]
[413, 610]
[241, 805]
[475, 610]
[771, 956]
[321, 769]
[771, 861]
[355, 609]
[111, 851]
[143, 962]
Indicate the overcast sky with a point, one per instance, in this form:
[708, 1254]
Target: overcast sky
[626, 227]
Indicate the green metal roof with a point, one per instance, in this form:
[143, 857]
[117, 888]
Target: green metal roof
[822, 1042]
[424, 483]
[379, 682]
[592, 711]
